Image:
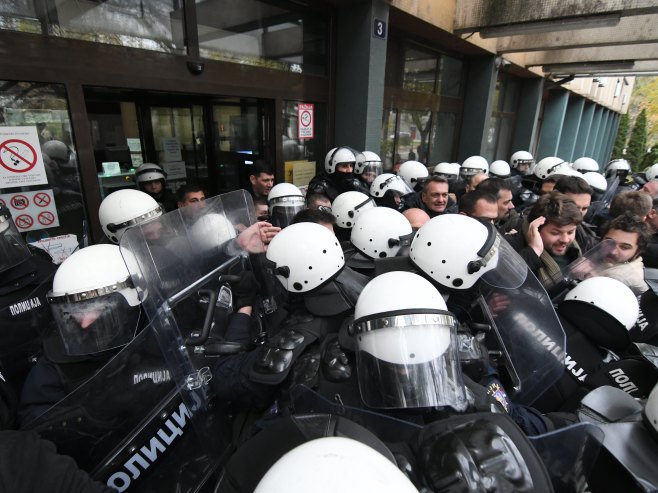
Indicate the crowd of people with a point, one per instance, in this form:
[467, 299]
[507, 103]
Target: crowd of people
[379, 286]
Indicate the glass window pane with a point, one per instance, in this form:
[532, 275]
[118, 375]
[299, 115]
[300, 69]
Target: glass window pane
[504, 144]
[443, 135]
[151, 25]
[489, 150]
[305, 150]
[49, 199]
[264, 34]
[179, 143]
[236, 140]
[413, 135]
[419, 71]
[19, 15]
[450, 76]
[388, 150]
[511, 95]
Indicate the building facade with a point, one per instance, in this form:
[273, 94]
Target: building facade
[208, 87]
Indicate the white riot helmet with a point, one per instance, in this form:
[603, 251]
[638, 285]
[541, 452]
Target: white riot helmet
[369, 163]
[500, 169]
[406, 349]
[334, 464]
[521, 158]
[285, 200]
[610, 295]
[381, 232]
[474, 165]
[124, 209]
[413, 172]
[13, 250]
[339, 155]
[57, 151]
[585, 165]
[93, 301]
[327, 157]
[456, 251]
[388, 182]
[652, 172]
[149, 172]
[348, 206]
[604, 309]
[596, 180]
[446, 170]
[208, 233]
[547, 166]
[617, 167]
[304, 256]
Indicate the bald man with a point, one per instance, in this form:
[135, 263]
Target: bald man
[416, 217]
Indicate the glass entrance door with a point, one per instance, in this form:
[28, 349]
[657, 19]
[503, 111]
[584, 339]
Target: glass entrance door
[179, 143]
[241, 136]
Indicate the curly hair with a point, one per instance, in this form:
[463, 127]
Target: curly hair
[557, 208]
[631, 223]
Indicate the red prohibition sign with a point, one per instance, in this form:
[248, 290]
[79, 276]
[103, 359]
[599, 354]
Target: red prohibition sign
[20, 202]
[46, 218]
[24, 221]
[41, 199]
[19, 162]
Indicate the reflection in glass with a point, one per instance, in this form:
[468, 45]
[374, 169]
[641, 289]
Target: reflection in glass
[419, 71]
[413, 135]
[154, 25]
[45, 108]
[450, 76]
[264, 34]
[443, 137]
[388, 139]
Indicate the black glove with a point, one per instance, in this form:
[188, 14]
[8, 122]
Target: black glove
[245, 290]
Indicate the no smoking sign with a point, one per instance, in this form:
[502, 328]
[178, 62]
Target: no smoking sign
[17, 156]
[21, 161]
[305, 120]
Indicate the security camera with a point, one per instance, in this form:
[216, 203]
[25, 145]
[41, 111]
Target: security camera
[195, 67]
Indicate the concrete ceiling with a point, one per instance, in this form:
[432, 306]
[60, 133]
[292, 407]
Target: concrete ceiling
[567, 37]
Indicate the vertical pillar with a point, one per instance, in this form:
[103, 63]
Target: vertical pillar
[551, 129]
[360, 66]
[611, 139]
[478, 101]
[569, 134]
[602, 143]
[594, 131]
[527, 115]
[583, 130]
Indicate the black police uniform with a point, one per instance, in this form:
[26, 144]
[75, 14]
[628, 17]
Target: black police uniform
[25, 314]
[333, 184]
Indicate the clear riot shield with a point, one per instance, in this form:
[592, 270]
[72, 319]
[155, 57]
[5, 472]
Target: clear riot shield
[525, 333]
[591, 263]
[129, 427]
[147, 420]
[569, 455]
[598, 206]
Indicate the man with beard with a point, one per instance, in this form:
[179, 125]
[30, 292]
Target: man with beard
[507, 218]
[624, 262]
[261, 179]
[547, 237]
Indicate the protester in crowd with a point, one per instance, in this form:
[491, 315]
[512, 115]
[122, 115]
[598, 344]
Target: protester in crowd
[261, 179]
[189, 193]
[630, 235]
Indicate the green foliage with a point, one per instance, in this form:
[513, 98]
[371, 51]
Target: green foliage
[645, 96]
[650, 158]
[637, 143]
[622, 135]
